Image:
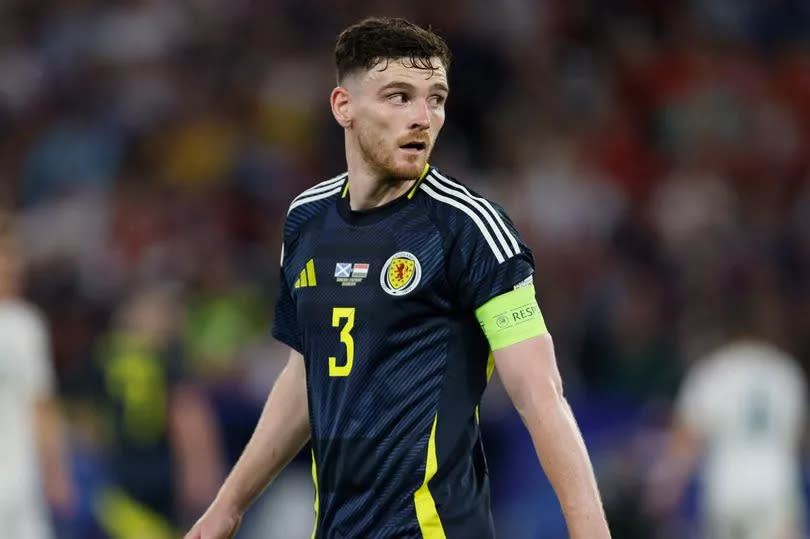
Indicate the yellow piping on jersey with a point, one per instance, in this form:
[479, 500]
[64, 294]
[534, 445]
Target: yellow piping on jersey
[426, 513]
[410, 193]
[315, 482]
[490, 369]
[421, 177]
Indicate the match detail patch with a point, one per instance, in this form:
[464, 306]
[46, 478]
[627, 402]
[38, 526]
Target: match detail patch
[349, 274]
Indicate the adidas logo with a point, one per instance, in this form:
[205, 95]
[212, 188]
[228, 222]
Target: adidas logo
[307, 277]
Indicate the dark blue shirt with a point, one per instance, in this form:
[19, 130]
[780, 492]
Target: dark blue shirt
[381, 305]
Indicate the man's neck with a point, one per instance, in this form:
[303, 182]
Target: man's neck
[367, 190]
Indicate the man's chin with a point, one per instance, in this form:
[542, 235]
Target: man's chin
[409, 170]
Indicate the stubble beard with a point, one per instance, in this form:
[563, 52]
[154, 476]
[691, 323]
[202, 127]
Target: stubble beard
[381, 160]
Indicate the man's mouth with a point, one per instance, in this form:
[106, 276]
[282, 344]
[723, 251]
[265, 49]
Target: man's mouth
[414, 146]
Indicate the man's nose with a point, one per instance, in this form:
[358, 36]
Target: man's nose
[421, 116]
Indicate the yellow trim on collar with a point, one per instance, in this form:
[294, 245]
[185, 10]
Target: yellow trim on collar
[410, 194]
[421, 177]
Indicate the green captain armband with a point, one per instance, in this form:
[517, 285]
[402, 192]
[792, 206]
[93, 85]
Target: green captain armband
[512, 317]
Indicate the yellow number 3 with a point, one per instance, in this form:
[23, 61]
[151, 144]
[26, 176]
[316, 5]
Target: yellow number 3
[338, 313]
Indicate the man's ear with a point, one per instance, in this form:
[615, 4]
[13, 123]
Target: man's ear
[341, 106]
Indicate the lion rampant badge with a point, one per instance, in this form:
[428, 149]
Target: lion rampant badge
[400, 274]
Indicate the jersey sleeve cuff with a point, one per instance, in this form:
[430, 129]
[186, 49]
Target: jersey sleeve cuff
[288, 341]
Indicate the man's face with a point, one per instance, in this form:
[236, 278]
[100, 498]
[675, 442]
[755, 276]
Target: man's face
[397, 112]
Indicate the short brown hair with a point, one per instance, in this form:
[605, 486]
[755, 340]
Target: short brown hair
[363, 45]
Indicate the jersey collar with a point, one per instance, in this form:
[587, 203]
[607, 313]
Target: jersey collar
[373, 215]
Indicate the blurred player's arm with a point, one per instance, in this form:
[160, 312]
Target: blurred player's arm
[671, 473]
[52, 447]
[281, 432]
[524, 357]
[52, 452]
[196, 447]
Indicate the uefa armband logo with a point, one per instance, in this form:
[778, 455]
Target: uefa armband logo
[400, 274]
[502, 321]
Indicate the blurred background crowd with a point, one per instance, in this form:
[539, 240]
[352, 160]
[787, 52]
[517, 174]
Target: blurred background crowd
[654, 154]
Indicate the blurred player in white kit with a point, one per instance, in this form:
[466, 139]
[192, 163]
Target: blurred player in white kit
[32, 458]
[742, 409]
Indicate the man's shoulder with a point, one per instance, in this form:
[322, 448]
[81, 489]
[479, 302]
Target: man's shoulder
[312, 201]
[23, 316]
[448, 195]
[465, 213]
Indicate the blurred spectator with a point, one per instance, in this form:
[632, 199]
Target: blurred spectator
[744, 409]
[33, 446]
[163, 455]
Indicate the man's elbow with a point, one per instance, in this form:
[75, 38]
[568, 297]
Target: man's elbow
[534, 396]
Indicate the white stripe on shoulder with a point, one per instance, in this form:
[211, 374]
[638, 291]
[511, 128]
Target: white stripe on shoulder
[466, 209]
[301, 201]
[322, 186]
[469, 200]
[486, 202]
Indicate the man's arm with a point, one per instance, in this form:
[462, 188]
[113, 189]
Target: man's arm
[195, 444]
[281, 432]
[670, 475]
[52, 450]
[529, 373]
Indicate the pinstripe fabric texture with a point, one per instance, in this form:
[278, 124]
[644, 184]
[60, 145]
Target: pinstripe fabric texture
[413, 356]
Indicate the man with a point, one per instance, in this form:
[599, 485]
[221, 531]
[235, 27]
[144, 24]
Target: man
[30, 422]
[163, 455]
[743, 407]
[397, 281]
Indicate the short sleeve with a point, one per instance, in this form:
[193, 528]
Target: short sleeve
[488, 256]
[285, 321]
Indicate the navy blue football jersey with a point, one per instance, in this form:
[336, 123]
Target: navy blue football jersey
[381, 305]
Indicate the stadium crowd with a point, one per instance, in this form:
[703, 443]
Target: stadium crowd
[654, 154]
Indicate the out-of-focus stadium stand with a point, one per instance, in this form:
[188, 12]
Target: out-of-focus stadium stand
[654, 154]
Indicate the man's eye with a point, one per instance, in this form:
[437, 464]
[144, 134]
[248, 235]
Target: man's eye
[398, 97]
[437, 100]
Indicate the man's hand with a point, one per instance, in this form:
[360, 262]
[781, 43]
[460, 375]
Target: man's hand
[218, 522]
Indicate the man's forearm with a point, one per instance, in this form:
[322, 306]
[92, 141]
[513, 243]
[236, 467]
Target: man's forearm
[565, 460]
[528, 370]
[53, 454]
[281, 432]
